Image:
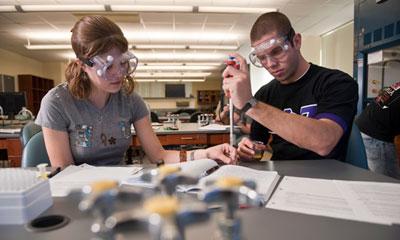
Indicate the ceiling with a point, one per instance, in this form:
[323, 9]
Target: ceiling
[186, 29]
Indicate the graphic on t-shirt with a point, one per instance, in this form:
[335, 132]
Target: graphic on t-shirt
[125, 129]
[84, 135]
[112, 140]
[309, 110]
[103, 139]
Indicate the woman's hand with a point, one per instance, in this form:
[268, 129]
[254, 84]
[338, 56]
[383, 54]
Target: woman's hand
[223, 152]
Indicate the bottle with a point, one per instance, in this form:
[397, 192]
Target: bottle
[178, 123]
[24, 114]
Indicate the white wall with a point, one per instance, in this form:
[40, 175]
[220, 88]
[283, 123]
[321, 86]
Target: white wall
[14, 64]
[310, 49]
[337, 48]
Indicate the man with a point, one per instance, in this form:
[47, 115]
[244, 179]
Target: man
[379, 124]
[308, 109]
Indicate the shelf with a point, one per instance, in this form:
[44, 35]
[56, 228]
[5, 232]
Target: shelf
[208, 97]
[35, 88]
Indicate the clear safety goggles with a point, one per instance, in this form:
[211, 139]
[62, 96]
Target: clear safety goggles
[109, 68]
[272, 49]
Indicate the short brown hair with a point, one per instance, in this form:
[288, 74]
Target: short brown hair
[91, 36]
[271, 22]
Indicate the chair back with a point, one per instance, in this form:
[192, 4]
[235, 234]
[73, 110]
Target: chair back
[35, 151]
[356, 154]
[27, 131]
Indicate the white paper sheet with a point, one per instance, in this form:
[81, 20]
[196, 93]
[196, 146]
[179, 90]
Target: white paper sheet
[265, 180]
[361, 201]
[74, 177]
[373, 200]
[194, 169]
[10, 130]
[214, 127]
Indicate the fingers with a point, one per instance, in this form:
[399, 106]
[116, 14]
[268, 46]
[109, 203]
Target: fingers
[241, 60]
[232, 154]
[245, 148]
[229, 72]
[227, 154]
[226, 160]
[226, 89]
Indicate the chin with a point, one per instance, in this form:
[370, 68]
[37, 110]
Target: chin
[114, 88]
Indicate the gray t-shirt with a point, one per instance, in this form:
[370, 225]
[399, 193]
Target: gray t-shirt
[96, 136]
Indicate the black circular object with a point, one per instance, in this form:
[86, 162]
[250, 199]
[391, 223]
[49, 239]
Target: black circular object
[47, 223]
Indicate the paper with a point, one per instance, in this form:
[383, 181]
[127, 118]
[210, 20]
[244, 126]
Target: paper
[214, 127]
[10, 130]
[361, 201]
[265, 180]
[197, 168]
[373, 199]
[74, 177]
[194, 169]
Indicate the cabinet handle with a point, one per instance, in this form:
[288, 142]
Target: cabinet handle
[187, 138]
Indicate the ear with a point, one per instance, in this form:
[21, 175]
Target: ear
[297, 41]
[82, 65]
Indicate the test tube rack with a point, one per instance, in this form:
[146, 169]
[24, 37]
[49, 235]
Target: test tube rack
[23, 196]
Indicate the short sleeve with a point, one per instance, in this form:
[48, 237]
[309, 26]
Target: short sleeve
[51, 114]
[138, 106]
[338, 99]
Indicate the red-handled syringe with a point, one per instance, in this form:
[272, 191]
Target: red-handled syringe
[231, 62]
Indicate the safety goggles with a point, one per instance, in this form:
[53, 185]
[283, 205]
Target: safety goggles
[272, 49]
[109, 67]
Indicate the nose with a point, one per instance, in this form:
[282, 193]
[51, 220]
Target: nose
[269, 62]
[115, 70]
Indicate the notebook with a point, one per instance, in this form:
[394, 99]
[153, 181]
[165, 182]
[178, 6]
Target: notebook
[208, 170]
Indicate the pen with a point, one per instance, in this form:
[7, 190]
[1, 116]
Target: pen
[53, 173]
[160, 163]
[209, 171]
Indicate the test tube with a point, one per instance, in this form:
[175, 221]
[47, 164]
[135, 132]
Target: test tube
[42, 170]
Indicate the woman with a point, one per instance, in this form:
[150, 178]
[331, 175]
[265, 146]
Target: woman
[88, 118]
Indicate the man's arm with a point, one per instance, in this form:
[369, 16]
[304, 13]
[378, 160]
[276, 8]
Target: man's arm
[317, 135]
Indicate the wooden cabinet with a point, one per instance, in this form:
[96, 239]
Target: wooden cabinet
[14, 150]
[188, 139]
[35, 88]
[208, 97]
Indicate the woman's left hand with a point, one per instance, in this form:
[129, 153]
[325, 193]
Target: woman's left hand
[223, 152]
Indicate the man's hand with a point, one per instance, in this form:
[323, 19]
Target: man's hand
[245, 149]
[236, 83]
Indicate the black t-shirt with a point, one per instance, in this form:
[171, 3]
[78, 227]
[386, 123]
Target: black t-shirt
[320, 93]
[382, 123]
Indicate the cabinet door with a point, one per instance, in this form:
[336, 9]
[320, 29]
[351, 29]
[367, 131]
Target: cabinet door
[14, 150]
